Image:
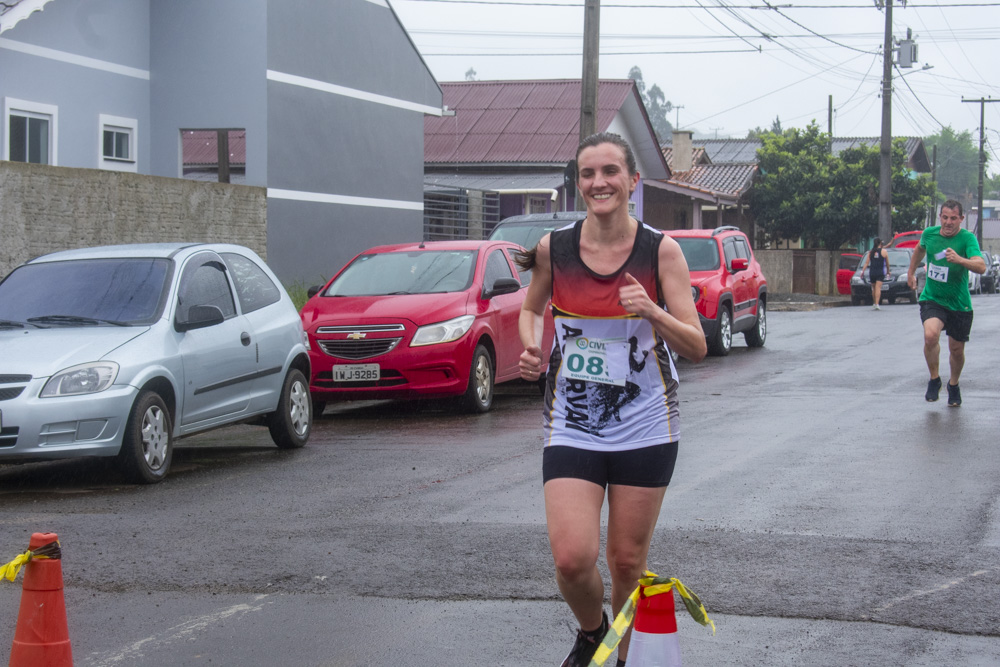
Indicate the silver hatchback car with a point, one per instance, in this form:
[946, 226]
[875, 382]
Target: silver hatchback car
[116, 351]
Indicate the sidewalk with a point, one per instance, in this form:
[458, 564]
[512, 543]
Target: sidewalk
[795, 301]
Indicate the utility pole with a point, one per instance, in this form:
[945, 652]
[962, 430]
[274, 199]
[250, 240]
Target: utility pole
[885, 149]
[588, 89]
[829, 120]
[982, 164]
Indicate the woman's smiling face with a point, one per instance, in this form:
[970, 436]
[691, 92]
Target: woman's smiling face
[603, 178]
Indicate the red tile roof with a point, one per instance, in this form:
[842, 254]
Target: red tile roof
[201, 147]
[727, 179]
[516, 122]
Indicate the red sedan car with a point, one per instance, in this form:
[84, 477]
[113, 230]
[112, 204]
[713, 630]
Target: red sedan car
[417, 320]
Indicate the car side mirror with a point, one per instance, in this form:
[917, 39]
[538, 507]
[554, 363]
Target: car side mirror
[502, 286]
[313, 291]
[199, 317]
[740, 264]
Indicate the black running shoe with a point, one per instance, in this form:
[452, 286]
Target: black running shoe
[954, 396]
[586, 645]
[933, 389]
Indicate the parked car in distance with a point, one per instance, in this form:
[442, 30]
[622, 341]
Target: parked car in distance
[975, 283]
[894, 288]
[905, 239]
[418, 320]
[528, 229]
[845, 271]
[117, 351]
[727, 284]
[991, 279]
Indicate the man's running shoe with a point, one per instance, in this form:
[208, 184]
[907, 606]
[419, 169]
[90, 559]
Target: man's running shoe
[933, 389]
[954, 396]
[586, 645]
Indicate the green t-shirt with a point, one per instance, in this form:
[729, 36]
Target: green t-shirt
[948, 284]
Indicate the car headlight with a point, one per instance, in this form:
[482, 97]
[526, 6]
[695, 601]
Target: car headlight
[694, 293]
[856, 280]
[83, 379]
[442, 332]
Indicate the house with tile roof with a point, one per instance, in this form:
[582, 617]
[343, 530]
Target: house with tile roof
[503, 148]
[744, 151]
[321, 103]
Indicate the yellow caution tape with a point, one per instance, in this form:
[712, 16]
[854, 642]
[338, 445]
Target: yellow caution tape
[654, 585]
[10, 570]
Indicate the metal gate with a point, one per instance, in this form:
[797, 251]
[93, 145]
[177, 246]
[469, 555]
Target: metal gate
[804, 272]
[458, 213]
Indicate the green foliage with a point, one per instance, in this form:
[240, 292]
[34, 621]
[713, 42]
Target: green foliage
[299, 293]
[657, 105]
[805, 192]
[957, 169]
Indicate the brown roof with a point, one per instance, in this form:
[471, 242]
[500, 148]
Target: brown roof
[726, 179]
[516, 122]
[201, 147]
[698, 155]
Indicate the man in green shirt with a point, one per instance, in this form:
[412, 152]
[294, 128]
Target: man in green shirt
[945, 304]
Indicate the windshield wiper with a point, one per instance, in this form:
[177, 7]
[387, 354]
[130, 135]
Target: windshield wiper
[74, 319]
[12, 324]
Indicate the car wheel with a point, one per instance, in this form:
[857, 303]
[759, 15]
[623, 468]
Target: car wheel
[479, 393]
[291, 423]
[755, 336]
[722, 341]
[147, 446]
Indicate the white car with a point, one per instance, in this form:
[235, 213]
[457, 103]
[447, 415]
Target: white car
[116, 351]
[975, 283]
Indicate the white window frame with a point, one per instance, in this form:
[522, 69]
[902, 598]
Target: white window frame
[16, 107]
[129, 126]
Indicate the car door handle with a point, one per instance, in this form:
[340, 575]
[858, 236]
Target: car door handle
[245, 338]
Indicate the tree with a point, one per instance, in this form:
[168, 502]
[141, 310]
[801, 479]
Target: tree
[757, 132]
[957, 168]
[805, 192]
[656, 103]
[470, 75]
[794, 170]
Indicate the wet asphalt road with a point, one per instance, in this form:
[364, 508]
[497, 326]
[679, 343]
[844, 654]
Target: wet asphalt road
[825, 513]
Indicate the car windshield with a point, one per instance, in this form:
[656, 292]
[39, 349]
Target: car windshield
[701, 254]
[85, 292]
[899, 260]
[526, 236]
[418, 272]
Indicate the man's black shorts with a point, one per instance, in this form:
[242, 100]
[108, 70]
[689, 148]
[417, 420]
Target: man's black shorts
[647, 466]
[957, 323]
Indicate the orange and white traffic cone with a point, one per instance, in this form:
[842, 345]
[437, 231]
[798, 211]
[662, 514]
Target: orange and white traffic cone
[654, 634]
[41, 638]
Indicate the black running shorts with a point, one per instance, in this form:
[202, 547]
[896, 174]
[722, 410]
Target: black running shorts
[647, 466]
[957, 323]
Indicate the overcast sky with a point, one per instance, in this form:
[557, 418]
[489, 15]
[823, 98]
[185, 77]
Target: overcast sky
[737, 65]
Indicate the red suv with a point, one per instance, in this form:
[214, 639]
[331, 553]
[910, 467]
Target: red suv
[728, 286]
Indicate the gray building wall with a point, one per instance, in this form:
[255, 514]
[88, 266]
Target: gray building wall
[110, 32]
[208, 60]
[340, 148]
[365, 91]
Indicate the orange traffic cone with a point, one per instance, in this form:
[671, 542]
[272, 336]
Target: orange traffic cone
[41, 638]
[654, 635]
